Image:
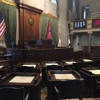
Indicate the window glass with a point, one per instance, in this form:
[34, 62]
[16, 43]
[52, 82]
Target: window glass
[53, 1]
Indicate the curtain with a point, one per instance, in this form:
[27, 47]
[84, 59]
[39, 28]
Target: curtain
[9, 14]
[44, 24]
[57, 8]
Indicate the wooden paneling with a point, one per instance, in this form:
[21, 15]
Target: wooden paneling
[28, 31]
[31, 31]
[39, 55]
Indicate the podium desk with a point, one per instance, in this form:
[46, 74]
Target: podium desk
[47, 65]
[55, 76]
[30, 81]
[90, 75]
[29, 67]
[87, 61]
[68, 64]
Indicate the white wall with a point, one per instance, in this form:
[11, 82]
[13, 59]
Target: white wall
[35, 3]
[93, 4]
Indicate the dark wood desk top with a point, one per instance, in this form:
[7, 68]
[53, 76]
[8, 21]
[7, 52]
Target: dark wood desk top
[35, 81]
[36, 64]
[83, 99]
[91, 71]
[51, 73]
[50, 63]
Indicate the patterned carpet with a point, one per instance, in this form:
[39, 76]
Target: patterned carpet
[44, 93]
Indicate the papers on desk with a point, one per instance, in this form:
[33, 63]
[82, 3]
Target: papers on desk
[64, 76]
[22, 79]
[95, 71]
[1, 67]
[70, 62]
[29, 65]
[51, 63]
[87, 60]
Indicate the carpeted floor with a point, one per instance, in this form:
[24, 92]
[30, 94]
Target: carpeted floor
[44, 93]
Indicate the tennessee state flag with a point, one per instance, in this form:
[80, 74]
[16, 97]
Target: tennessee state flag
[49, 31]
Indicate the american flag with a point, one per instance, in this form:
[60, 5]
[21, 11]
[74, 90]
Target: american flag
[2, 26]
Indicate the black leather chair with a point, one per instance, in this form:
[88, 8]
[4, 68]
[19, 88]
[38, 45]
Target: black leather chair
[77, 66]
[54, 67]
[69, 89]
[97, 89]
[97, 63]
[25, 69]
[13, 93]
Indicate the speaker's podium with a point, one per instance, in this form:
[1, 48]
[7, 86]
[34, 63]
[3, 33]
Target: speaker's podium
[42, 43]
[47, 43]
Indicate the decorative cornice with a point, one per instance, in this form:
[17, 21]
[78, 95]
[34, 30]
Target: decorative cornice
[25, 6]
[50, 15]
[8, 2]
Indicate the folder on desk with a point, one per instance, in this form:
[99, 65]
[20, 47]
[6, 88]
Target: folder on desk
[51, 63]
[70, 62]
[1, 67]
[22, 79]
[87, 60]
[95, 71]
[29, 65]
[64, 76]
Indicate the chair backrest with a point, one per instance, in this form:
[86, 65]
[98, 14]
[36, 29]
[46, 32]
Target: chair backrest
[78, 65]
[54, 67]
[71, 89]
[25, 69]
[11, 93]
[97, 63]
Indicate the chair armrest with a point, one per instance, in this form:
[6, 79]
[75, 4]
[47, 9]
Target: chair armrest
[27, 96]
[56, 89]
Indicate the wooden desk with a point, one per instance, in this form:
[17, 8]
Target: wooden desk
[5, 69]
[68, 64]
[33, 86]
[52, 81]
[35, 65]
[90, 78]
[87, 61]
[44, 65]
[83, 99]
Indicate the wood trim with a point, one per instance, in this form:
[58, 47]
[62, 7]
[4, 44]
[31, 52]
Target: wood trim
[21, 5]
